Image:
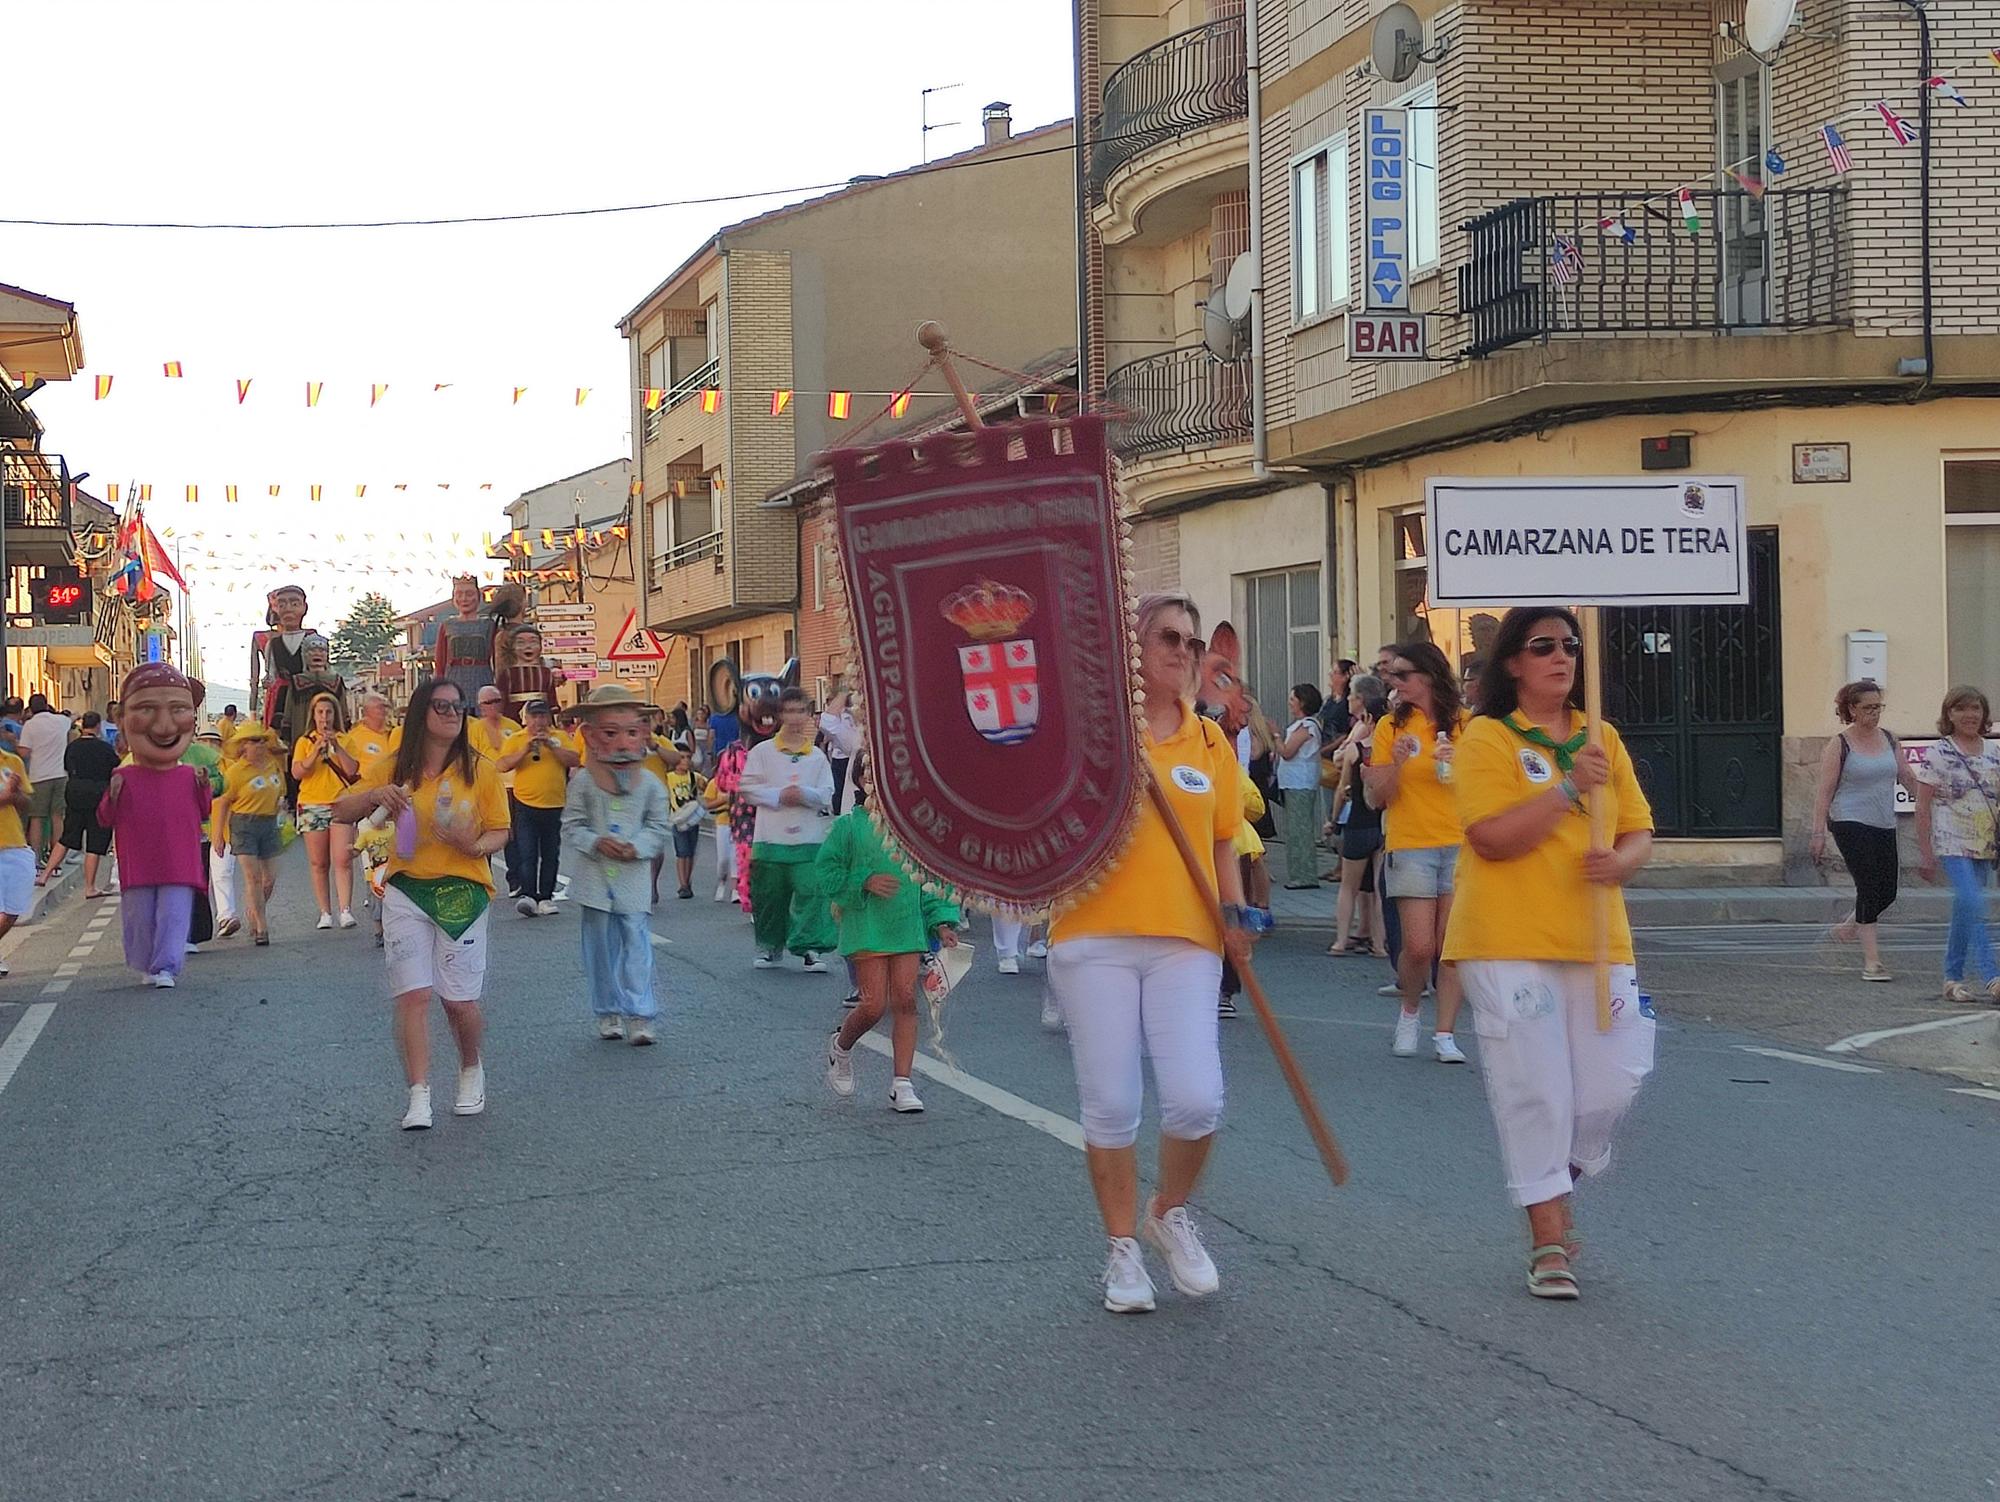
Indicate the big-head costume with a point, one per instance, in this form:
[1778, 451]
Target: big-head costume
[752, 702]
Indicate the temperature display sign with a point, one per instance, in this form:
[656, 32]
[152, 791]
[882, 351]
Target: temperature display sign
[61, 598]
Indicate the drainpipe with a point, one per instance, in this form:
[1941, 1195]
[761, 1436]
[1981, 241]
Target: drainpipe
[1260, 435]
[1080, 134]
[1917, 8]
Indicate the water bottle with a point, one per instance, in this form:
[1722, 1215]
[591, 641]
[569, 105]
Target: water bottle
[1442, 755]
[406, 833]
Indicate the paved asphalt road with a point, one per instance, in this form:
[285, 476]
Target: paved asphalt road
[690, 1272]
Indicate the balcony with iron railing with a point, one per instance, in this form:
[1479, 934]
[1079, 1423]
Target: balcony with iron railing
[1626, 263]
[685, 389]
[694, 550]
[32, 495]
[1180, 421]
[1174, 92]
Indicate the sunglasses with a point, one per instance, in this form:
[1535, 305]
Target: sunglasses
[1546, 646]
[1399, 675]
[1174, 640]
[446, 706]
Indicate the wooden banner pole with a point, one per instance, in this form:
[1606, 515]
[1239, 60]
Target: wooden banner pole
[931, 336]
[1600, 808]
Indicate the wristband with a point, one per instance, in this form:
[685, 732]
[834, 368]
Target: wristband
[1569, 791]
[1232, 915]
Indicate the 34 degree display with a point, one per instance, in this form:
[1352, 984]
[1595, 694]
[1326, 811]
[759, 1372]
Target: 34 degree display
[61, 599]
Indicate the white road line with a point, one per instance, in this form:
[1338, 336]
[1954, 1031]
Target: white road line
[55, 988]
[82, 951]
[1982, 1094]
[1004, 1101]
[69, 969]
[1864, 1040]
[662, 941]
[1808, 1058]
[23, 1038]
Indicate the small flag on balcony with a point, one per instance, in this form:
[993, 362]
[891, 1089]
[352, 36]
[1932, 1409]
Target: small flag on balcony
[1565, 260]
[635, 488]
[1944, 88]
[1836, 150]
[242, 390]
[229, 494]
[103, 387]
[1774, 162]
[377, 391]
[317, 490]
[680, 489]
[1748, 184]
[582, 395]
[779, 401]
[1894, 123]
[900, 405]
[194, 494]
[1616, 225]
[837, 404]
[313, 389]
[1690, 215]
[654, 396]
[517, 394]
[171, 370]
[711, 399]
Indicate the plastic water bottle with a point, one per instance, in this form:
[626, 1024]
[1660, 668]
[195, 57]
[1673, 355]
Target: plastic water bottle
[406, 833]
[1443, 756]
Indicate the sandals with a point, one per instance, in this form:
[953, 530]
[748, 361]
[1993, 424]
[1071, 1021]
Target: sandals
[262, 940]
[1551, 1282]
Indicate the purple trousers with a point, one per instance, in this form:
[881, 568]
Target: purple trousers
[156, 927]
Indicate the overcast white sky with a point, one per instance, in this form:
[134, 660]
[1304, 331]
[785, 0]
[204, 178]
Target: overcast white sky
[190, 110]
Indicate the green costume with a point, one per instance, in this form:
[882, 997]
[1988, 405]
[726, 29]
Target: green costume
[902, 924]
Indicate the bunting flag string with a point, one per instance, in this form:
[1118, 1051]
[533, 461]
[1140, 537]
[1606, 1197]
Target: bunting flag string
[313, 389]
[377, 391]
[242, 390]
[171, 371]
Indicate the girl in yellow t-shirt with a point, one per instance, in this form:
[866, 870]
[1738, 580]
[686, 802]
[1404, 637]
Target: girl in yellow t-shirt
[325, 769]
[1522, 937]
[1408, 777]
[245, 818]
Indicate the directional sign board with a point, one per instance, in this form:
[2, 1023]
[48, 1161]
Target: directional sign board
[1665, 540]
[1385, 214]
[635, 643]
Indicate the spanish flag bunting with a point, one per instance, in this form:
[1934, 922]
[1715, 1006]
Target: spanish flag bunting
[27, 378]
[171, 370]
[404, 486]
[515, 543]
[711, 399]
[312, 392]
[548, 537]
[1051, 401]
[194, 494]
[103, 387]
[274, 490]
[111, 494]
[635, 487]
[316, 491]
[517, 394]
[441, 385]
[582, 394]
[242, 390]
[680, 488]
[360, 491]
[145, 494]
[779, 401]
[900, 405]
[444, 485]
[375, 392]
[654, 396]
[1748, 184]
[837, 403]
[229, 494]
[488, 485]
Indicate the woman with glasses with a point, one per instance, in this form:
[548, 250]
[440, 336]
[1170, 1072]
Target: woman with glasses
[1408, 777]
[450, 816]
[1859, 772]
[323, 768]
[1136, 965]
[1958, 806]
[1523, 936]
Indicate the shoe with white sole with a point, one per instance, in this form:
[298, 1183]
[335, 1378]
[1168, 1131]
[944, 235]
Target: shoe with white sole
[3, 968]
[1127, 1287]
[525, 907]
[1407, 1028]
[722, 892]
[814, 965]
[903, 1097]
[1959, 991]
[766, 961]
[1392, 989]
[1448, 1051]
[346, 918]
[1038, 950]
[641, 1032]
[471, 1091]
[325, 921]
[852, 1001]
[839, 1067]
[1009, 965]
[1188, 1262]
[611, 1027]
[164, 979]
[545, 909]
[1052, 1017]
[417, 1118]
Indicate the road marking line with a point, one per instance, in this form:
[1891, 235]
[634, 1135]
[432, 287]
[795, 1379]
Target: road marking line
[23, 1038]
[1864, 1040]
[69, 969]
[1807, 1058]
[662, 940]
[1982, 1094]
[55, 988]
[82, 951]
[992, 1096]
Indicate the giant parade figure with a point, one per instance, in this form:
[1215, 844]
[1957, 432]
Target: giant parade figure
[289, 664]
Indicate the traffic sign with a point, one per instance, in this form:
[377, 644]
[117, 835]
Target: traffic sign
[635, 643]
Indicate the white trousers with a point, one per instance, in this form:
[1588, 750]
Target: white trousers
[1558, 1087]
[725, 854]
[1124, 998]
[222, 884]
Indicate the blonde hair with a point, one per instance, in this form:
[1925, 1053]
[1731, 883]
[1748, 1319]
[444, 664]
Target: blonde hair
[1157, 603]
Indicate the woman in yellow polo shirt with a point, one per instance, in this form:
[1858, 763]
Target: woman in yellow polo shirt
[373, 737]
[450, 814]
[1136, 967]
[1408, 777]
[540, 757]
[245, 818]
[324, 769]
[1522, 935]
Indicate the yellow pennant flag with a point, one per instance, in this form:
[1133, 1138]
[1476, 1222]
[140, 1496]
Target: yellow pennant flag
[360, 491]
[145, 494]
[171, 370]
[111, 494]
[28, 378]
[837, 403]
[548, 538]
[517, 394]
[900, 405]
[515, 544]
[103, 387]
[711, 400]
[636, 488]
[582, 392]
[376, 391]
[194, 494]
[681, 489]
[242, 390]
[312, 392]
[316, 491]
[779, 401]
[654, 396]
[274, 490]
[229, 494]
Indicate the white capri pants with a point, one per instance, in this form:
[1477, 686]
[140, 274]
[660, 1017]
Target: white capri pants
[1558, 1087]
[422, 957]
[1123, 998]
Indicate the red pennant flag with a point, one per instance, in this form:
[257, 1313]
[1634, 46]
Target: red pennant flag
[654, 396]
[899, 406]
[229, 494]
[312, 392]
[779, 401]
[242, 390]
[1748, 184]
[711, 399]
[103, 387]
[582, 394]
[376, 391]
[171, 370]
[837, 403]
[517, 394]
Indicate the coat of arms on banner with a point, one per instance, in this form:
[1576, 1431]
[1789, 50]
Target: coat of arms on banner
[984, 576]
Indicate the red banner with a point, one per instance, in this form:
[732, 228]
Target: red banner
[984, 580]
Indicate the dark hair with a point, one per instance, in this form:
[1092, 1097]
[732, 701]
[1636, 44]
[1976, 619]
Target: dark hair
[1308, 697]
[1447, 702]
[38, 703]
[793, 698]
[679, 716]
[231, 710]
[92, 720]
[111, 706]
[416, 735]
[339, 711]
[1965, 694]
[1499, 694]
[1845, 700]
[1345, 664]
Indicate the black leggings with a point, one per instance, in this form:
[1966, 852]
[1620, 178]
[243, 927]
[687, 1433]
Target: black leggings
[1871, 859]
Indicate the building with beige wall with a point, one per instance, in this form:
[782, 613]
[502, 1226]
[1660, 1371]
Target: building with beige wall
[820, 297]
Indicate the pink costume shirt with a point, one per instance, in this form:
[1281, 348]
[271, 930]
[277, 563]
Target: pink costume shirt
[157, 821]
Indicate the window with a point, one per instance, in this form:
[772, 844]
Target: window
[695, 513]
[1319, 230]
[1423, 147]
[659, 527]
[1282, 637]
[1463, 636]
[1972, 570]
[711, 317]
[819, 576]
[791, 644]
[657, 374]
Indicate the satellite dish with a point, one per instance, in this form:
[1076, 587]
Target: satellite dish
[1765, 23]
[1399, 43]
[1236, 291]
[1228, 339]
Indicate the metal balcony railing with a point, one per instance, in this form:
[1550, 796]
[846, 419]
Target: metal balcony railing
[30, 493]
[1192, 79]
[686, 387]
[692, 551]
[1627, 263]
[1182, 399]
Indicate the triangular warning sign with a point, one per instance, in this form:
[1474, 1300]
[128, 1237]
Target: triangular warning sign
[635, 643]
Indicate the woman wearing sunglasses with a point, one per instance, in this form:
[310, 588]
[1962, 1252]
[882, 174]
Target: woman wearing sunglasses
[450, 813]
[1408, 776]
[1522, 934]
[1136, 965]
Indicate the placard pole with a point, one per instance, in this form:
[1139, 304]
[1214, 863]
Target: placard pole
[1600, 809]
[931, 335]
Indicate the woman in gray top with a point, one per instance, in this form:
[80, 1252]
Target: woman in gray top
[1858, 774]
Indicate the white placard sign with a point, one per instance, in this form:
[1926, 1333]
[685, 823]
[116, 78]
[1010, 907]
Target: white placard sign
[1385, 210]
[1667, 540]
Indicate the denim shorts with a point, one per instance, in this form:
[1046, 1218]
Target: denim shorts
[686, 842]
[254, 835]
[1419, 873]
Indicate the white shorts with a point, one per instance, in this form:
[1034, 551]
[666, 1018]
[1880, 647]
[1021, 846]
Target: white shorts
[17, 880]
[422, 958]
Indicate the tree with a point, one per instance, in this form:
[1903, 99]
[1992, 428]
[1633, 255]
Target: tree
[369, 629]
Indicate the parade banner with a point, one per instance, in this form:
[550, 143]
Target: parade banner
[984, 579]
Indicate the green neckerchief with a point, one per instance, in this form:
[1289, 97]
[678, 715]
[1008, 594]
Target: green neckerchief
[1563, 751]
[453, 903]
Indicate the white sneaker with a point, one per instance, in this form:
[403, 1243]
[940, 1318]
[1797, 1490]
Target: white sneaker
[611, 1027]
[525, 907]
[1392, 989]
[903, 1096]
[164, 979]
[545, 909]
[1052, 1017]
[3, 968]
[471, 1091]
[839, 1067]
[1127, 1288]
[814, 965]
[722, 893]
[1448, 1051]
[418, 1117]
[1038, 950]
[641, 1032]
[346, 918]
[192, 949]
[1188, 1262]
[1009, 965]
[766, 961]
[1407, 1028]
[325, 921]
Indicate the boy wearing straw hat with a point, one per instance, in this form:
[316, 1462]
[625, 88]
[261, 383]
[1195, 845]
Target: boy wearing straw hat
[614, 822]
